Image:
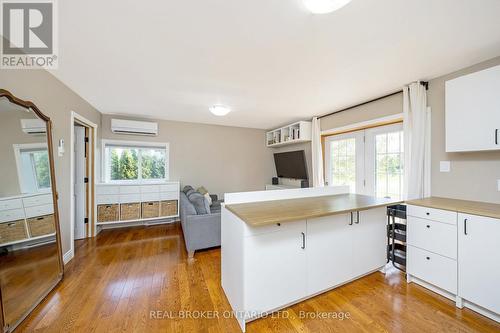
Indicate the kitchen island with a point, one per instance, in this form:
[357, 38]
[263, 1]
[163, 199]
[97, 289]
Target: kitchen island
[281, 248]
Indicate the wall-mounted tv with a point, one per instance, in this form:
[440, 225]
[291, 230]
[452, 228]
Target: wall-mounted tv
[291, 164]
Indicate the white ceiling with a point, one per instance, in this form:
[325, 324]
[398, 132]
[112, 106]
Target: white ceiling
[270, 60]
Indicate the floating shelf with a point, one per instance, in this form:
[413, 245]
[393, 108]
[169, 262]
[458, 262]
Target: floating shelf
[291, 134]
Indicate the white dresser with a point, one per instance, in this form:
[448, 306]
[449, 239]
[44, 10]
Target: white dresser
[126, 203]
[26, 217]
[455, 253]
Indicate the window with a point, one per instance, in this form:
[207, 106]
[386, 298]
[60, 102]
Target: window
[33, 167]
[134, 161]
[368, 161]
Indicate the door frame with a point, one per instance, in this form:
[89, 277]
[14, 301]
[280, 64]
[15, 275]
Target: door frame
[76, 118]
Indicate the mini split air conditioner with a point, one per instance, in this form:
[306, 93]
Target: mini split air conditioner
[33, 126]
[121, 126]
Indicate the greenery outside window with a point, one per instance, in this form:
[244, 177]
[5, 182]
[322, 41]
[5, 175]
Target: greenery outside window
[135, 161]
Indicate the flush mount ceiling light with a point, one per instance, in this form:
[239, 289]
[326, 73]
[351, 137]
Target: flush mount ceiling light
[220, 110]
[324, 6]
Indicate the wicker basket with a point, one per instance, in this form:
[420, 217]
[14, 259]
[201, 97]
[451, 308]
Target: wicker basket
[168, 208]
[130, 211]
[42, 225]
[150, 209]
[108, 213]
[12, 231]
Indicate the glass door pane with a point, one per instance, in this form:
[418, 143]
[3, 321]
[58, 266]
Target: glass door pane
[344, 161]
[385, 161]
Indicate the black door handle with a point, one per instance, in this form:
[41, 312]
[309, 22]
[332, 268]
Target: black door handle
[350, 223]
[496, 136]
[303, 241]
[465, 227]
[357, 217]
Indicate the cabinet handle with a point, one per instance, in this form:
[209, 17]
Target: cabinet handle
[428, 213]
[496, 136]
[428, 258]
[278, 224]
[303, 241]
[465, 227]
[350, 223]
[357, 217]
[428, 226]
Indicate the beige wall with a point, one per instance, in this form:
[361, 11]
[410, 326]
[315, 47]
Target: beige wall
[381, 108]
[57, 101]
[473, 176]
[223, 159]
[10, 134]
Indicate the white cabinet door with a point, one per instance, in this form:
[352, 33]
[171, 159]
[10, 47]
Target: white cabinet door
[329, 256]
[478, 261]
[369, 241]
[275, 270]
[473, 111]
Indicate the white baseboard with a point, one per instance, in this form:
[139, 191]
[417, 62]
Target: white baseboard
[68, 256]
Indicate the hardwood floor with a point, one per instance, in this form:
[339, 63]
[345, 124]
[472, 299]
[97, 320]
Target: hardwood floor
[117, 280]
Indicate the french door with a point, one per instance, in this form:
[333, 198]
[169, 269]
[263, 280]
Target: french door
[370, 162]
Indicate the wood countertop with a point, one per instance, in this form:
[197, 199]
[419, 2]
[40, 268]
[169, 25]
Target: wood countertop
[258, 214]
[460, 206]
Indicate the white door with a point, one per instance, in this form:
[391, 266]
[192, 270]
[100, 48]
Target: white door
[478, 260]
[79, 185]
[344, 161]
[369, 241]
[329, 256]
[384, 160]
[472, 111]
[275, 271]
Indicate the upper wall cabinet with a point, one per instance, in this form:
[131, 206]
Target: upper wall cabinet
[473, 112]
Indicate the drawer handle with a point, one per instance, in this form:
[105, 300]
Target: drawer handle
[465, 227]
[108, 206]
[428, 226]
[428, 213]
[278, 224]
[39, 218]
[428, 258]
[303, 241]
[150, 204]
[11, 224]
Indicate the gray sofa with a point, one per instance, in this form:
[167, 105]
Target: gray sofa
[201, 231]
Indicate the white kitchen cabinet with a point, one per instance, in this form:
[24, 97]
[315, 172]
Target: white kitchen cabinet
[473, 111]
[275, 268]
[479, 261]
[353, 247]
[329, 238]
[369, 241]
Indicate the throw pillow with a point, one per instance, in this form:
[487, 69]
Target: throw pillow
[187, 188]
[208, 198]
[199, 203]
[202, 190]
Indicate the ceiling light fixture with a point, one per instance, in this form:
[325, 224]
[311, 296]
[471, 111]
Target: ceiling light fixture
[324, 6]
[220, 110]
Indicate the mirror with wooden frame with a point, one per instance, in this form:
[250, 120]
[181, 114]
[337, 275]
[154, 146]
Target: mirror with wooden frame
[30, 245]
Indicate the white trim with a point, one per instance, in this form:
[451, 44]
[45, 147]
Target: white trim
[104, 168]
[68, 256]
[362, 124]
[78, 118]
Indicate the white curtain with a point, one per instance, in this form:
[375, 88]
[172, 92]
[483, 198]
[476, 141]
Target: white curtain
[417, 136]
[317, 154]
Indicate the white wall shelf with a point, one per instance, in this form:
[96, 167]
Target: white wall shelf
[294, 133]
